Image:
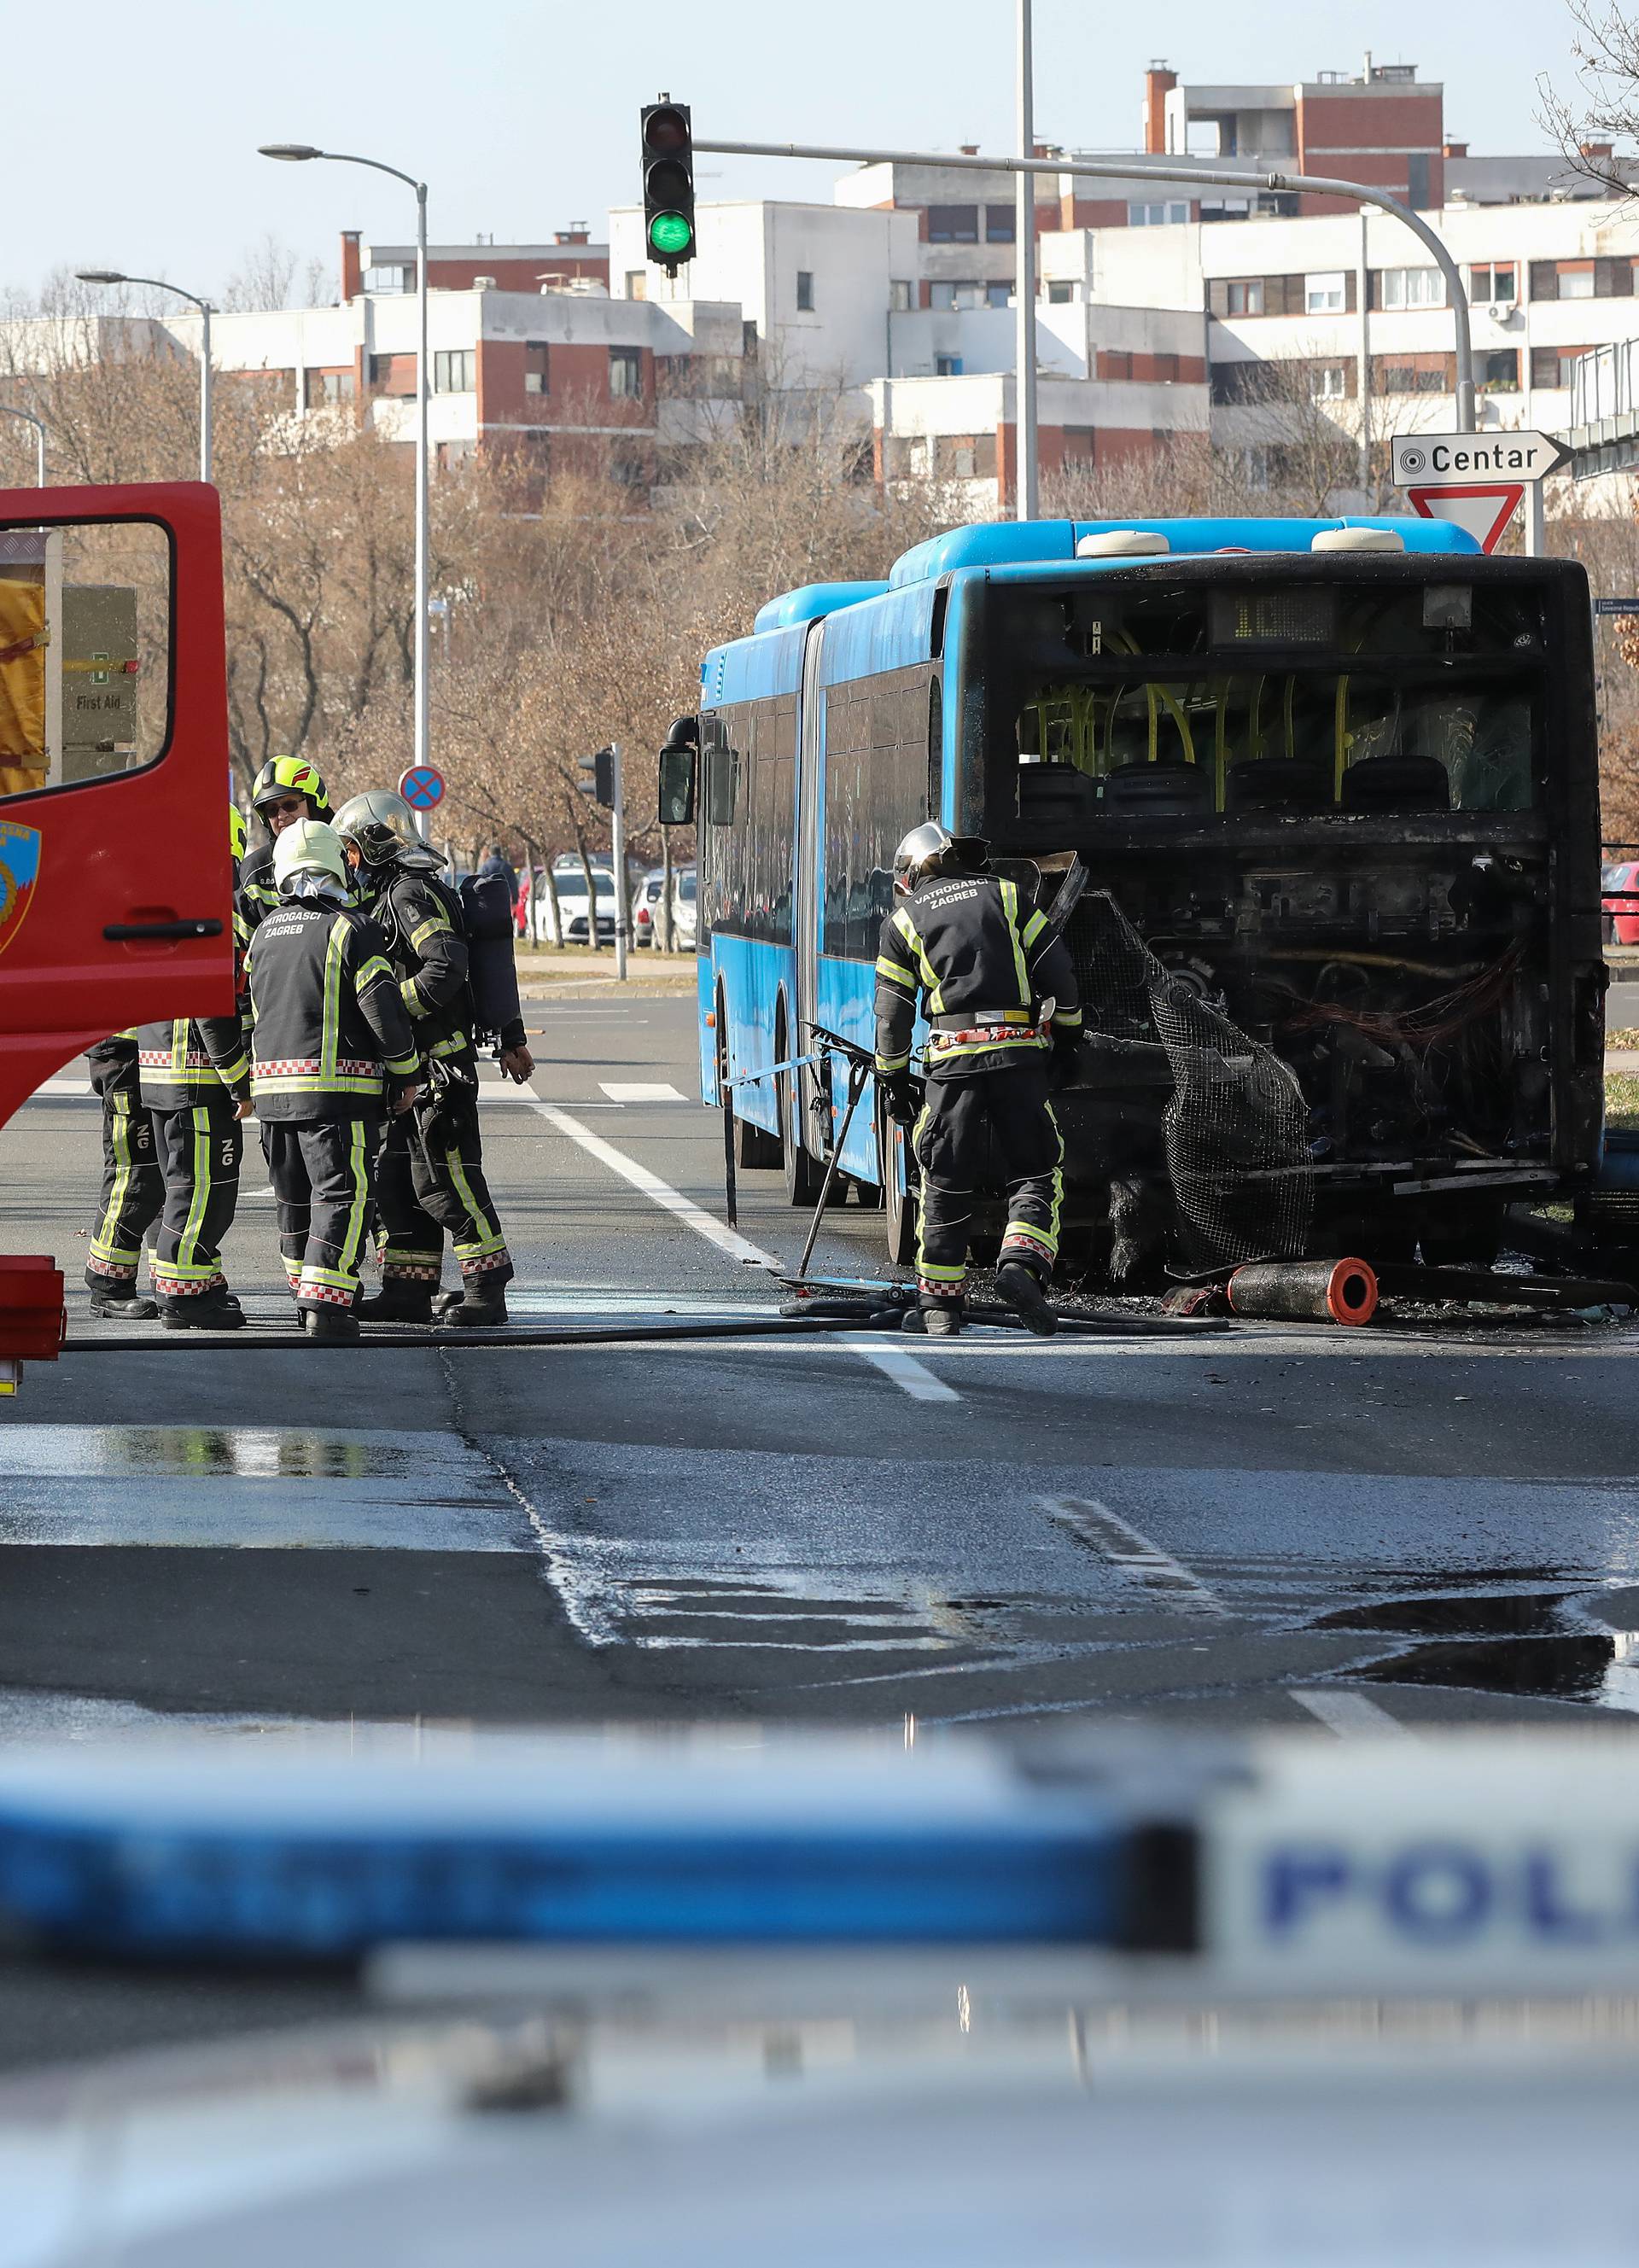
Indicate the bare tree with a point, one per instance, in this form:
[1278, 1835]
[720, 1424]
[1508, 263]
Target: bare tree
[1603, 112]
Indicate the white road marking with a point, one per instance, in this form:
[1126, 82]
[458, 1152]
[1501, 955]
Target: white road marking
[910, 1376]
[639, 1089]
[1123, 1545]
[659, 1192]
[1349, 1715]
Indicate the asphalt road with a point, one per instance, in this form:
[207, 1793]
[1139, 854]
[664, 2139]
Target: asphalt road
[1362, 1534]
[1264, 1528]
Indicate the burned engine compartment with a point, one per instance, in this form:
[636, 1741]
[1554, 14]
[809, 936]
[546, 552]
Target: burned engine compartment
[1346, 811]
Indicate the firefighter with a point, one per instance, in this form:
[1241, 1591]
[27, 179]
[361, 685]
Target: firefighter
[195, 1081]
[432, 1178]
[333, 1051]
[133, 1186]
[286, 789]
[999, 992]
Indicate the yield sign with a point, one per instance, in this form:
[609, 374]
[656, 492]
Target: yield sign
[1484, 510]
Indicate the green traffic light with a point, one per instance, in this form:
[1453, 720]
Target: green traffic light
[670, 235]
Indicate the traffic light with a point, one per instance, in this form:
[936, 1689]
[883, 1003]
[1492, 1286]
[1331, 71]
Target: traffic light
[599, 781]
[668, 183]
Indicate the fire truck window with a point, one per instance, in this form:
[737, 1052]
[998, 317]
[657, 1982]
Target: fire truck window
[84, 653]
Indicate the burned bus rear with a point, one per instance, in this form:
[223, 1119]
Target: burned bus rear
[1343, 806]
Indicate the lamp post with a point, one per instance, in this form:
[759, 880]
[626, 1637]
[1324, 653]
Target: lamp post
[157, 284]
[1026, 481]
[300, 153]
[39, 424]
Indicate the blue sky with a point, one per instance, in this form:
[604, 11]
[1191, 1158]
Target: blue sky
[523, 118]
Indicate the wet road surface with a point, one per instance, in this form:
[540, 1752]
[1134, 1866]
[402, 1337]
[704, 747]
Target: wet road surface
[1234, 1530]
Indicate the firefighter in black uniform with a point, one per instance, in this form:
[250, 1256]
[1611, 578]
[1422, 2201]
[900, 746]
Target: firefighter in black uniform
[1000, 996]
[333, 1051]
[195, 1080]
[133, 1186]
[433, 1177]
[286, 789]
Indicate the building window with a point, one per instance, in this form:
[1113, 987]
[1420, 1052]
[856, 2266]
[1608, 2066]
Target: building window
[1247, 297]
[1497, 279]
[1325, 294]
[536, 366]
[998, 295]
[947, 366]
[630, 472]
[636, 283]
[1157, 215]
[1328, 381]
[1427, 375]
[1576, 279]
[1060, 294]
[389, 279]
[393, 373]
[455, 370]
[1001, 224]
[955, 456]
[953, 224]
[805, 291]
[901, 297]
[1499, 372]
[1411, 287]
[324, 387]
[1554, 365]
[950, 296]
[625, 374]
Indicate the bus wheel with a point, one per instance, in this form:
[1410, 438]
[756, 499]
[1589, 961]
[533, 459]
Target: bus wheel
[753, 1145]
[802, 1175]
[900, 1198]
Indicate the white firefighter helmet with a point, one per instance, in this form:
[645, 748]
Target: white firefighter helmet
[928, 849]
[309, 847]
[382, 828]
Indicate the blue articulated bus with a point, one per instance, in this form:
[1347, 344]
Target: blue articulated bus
[1338, 775]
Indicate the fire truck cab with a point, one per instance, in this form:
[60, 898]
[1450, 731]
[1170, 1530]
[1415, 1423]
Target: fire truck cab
[115, 877]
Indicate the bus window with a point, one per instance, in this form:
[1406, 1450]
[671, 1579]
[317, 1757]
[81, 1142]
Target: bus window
[880, 777]
[84, 653]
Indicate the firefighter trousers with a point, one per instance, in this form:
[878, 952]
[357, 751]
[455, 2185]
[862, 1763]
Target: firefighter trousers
[323, 1174]
[199, 1150]
[133, 1186]
[432, 1181]
[988, 1122]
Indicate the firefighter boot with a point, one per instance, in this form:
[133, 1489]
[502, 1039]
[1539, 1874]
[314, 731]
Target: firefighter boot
[481, 1306]
[942, 1320]
[121, 1306]
[328, 1326]
[397, 1303]
[1022, 1288]
[215, 1310]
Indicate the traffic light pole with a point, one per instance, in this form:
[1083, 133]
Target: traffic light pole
[617, 848]
[1105, 169]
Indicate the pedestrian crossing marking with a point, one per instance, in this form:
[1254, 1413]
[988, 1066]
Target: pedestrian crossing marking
[639, 1091]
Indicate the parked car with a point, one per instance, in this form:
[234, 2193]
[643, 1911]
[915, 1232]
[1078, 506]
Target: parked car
[571, 882]
[646, 910]
[1619, 904]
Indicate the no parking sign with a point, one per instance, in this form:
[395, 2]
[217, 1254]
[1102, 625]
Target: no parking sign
[421, 787]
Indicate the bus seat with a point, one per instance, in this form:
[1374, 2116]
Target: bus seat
[1277, 783]
[1056, 795]
[1397, 784]
[1169, 791]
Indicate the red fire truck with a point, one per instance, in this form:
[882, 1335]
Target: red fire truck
[115, 881]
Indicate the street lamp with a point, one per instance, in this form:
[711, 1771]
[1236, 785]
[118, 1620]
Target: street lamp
[39, 424]
[297, 154]
[157, 284]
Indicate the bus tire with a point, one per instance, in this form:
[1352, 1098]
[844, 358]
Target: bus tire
[899, 1204]
[802, 1175]
[753, 1145]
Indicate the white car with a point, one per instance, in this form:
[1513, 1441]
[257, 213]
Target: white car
[645, 910]
[571, 883]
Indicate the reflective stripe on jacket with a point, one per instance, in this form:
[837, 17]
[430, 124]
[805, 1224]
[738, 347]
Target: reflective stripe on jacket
[329, 1030]
[182, 1064]
[976, 957]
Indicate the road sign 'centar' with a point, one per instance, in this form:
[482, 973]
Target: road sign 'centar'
[668, 184]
